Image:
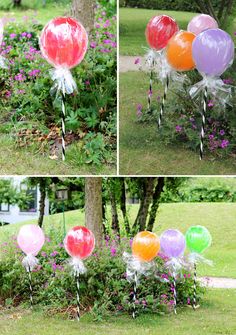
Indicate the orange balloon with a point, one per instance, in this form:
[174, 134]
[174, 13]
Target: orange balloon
[145, 246]
[179, 51]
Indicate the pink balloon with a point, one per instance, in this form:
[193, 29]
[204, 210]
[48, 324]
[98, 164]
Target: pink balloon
[202, 22]
[31, 239]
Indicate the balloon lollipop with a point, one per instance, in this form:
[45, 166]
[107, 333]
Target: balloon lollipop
[201, 22]
[158, 32]
[79, 244]
[145, 247]
[63, 43]
[30, 239]
[173, 245]
[178, 58]
[198, 239]
[213, 53]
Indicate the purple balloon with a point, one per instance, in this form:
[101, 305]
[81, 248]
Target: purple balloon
[201, 22]
[172, 243]
[213, 52]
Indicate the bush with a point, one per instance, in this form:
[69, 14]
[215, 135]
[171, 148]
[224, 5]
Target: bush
[33, 115]
[104, 289]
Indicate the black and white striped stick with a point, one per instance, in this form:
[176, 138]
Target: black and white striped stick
[195, 286]
[77, 295]
[150, 93]
[163, 102]
[135, 294]
[63, 132]
[30, 287]
[203, 122]
[175, 294]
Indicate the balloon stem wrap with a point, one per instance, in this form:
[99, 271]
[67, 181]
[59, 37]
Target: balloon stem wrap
[203, 122]
[77, 295]
[63, 127]
[163, 101]
[135, 294]
[175, 294]
[194, 286]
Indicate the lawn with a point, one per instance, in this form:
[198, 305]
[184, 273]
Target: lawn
[15, 160]
[42, 14]
[133, 23]
[141, 149]
[219, 218]
[216, 316]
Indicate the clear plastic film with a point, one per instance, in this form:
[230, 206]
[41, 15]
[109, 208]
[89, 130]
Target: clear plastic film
[175, 265]
[3, 61]
[78, 266]
[195, 258]
[136, 268]
[221, 92]
[156, 63]
[30, 262]
[63, 82]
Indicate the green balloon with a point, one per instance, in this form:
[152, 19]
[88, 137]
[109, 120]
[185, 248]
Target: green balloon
[198, 239]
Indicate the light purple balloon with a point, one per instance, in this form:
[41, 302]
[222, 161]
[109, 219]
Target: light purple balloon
[202, 22]
[172, 243]
[31, 239]
[213, 52]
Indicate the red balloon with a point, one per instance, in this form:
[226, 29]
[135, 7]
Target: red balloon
[79, 242]
[159, 30]
[64, 42]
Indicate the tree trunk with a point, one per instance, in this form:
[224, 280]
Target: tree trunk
[156, 201]
[115, 221]
[42, 190]
[123, 205]
[84, 11]
[17, 3]
[140, 222]
[93, 207]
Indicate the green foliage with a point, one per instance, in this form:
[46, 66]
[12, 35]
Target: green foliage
[104, 288]
[9, 194]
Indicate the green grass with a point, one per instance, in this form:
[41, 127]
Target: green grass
[133, 23]
[43, 15]
[216, 316]
[141, 150]
[25, 161]
[219, 218]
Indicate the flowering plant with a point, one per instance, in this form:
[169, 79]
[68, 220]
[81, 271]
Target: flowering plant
[104, 289]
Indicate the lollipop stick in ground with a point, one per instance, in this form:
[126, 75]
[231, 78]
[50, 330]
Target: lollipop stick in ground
[135, 294]
[194, 286]
[77, 295]
[150, 90]
[163, 102]
[63, 129]
[30, 287]
[203, 123]
[175, 294]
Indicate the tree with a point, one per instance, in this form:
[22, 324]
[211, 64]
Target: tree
[84, 11]
[17, 3]
[221, 12]
[93, 207]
